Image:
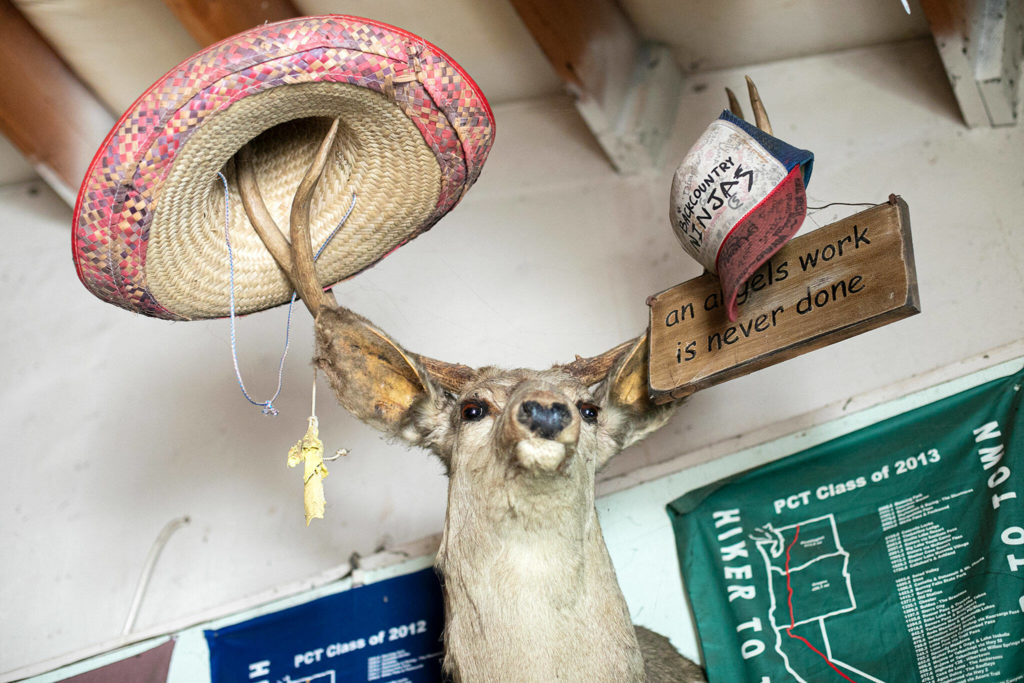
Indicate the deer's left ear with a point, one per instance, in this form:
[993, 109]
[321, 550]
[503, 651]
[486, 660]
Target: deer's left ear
[374, 378]
[631, 413]
[381, 383]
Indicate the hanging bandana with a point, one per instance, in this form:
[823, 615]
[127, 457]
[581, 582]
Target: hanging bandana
[737, 198]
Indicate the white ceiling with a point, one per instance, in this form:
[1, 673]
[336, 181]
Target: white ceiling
[117, 47]
[13, 167]
[710, 35]
[120, 47]
[134, 42]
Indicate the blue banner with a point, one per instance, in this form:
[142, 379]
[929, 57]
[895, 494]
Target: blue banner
[389, 631]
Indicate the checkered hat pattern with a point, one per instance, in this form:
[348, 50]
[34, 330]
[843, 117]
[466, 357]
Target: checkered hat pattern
[122, 187]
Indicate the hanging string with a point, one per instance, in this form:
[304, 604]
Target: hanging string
[334, 232]
[267, 406]
[341, 452]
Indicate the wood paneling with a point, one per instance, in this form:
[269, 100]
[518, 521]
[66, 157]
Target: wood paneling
[45, 110]
[625, 88]
[209, 21]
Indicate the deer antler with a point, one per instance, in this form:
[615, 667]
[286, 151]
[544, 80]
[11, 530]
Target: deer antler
[267, 229]
[296, 261]
[590, 370]
[734, 104]
[760, 115]
[264, 224]
[296, 258]
[594, 369]
[305, 281]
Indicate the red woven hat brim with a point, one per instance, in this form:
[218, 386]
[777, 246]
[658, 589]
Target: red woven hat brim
[148, 224]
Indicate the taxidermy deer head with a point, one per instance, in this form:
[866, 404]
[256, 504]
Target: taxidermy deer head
[530, 590]
[529, 587]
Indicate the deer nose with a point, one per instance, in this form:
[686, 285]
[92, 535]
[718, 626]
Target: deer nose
[546, 421]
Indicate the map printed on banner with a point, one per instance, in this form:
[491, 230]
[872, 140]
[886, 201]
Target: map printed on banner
[892, 554]
[388, 631]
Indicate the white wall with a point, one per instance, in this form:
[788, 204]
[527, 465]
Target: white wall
[13, 166]
[113, 424]
[726, 33]
[636, 529]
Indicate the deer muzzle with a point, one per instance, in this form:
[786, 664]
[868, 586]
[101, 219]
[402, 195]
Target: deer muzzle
[542, 430]
[546, 420]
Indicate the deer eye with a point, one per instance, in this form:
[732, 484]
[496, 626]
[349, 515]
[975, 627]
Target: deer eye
[588, 411]
[473, 411]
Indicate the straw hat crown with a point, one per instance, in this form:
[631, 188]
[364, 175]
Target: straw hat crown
[149, 225]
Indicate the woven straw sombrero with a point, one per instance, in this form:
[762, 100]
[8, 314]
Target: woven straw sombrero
[149, 222]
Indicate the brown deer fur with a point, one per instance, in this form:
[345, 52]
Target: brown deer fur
[530, 591]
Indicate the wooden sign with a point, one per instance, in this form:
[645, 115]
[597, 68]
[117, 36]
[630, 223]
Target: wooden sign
[828, 285]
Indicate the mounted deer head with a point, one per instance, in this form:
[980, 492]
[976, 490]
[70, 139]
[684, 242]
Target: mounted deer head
[530, 590]
[528, 582]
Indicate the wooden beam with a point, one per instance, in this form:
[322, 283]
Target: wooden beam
[580, 38]
[50, 115]
[209, 21]
[980, 44]
[625, 88]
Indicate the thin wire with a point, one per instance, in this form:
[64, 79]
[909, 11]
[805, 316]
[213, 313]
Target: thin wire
[340, 453]
[312, 408]
[268, 405]
[147, 570]
[818, 208]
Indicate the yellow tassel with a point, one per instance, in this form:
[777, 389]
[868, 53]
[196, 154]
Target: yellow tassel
[310, 450]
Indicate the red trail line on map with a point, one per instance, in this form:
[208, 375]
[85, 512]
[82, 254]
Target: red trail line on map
[792, 620]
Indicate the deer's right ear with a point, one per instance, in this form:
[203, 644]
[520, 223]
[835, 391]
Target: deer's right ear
[379, 382]
[626, 393]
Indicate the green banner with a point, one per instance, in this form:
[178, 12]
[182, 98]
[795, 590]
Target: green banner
[895, 553]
